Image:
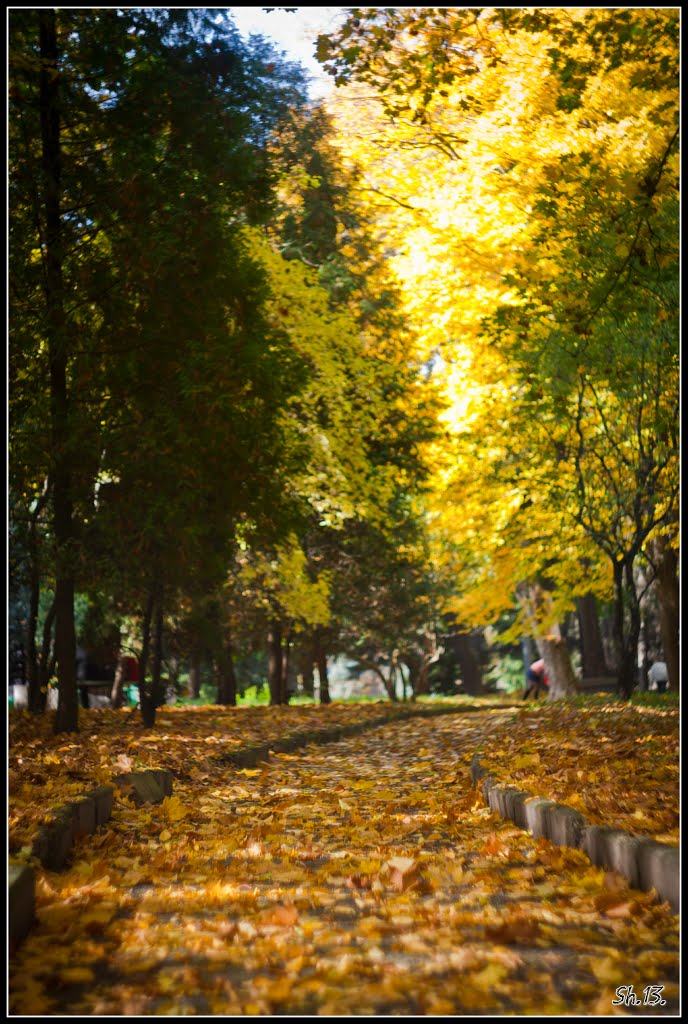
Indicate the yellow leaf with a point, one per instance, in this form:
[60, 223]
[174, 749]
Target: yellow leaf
[165, 835]
[173, 809]
[248, 771]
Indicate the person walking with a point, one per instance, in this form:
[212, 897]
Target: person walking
[536, 677]
[658, 675]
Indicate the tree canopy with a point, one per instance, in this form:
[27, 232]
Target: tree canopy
[329, 371]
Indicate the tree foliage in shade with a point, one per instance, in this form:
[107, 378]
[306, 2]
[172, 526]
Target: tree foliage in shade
[171, 375]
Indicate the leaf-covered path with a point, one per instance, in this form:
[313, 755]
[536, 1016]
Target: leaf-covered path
[360, 877]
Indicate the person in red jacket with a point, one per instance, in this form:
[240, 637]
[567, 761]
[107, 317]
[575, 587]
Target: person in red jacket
[536, 677]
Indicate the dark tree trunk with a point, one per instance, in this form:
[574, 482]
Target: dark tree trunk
[320, 658]
[626, 627]
[157, 689]
[226, 677]
[668, 598]
[67, 715]
[305, 666]
[471, 676]
[146, 700]
[275, 662]
[593, 663]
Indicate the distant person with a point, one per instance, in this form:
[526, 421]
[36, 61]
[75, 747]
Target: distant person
[658, 675]
[536, 678]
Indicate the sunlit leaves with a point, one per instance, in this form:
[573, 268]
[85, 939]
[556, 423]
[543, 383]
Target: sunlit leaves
[423, 901]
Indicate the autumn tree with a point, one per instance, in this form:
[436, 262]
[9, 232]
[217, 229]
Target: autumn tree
[523, 169]
[136, 135]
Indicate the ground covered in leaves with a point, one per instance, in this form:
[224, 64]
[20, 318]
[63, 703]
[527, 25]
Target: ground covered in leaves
[616, 763]
[355, 878]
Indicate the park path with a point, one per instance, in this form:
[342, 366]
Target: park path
[363, 877]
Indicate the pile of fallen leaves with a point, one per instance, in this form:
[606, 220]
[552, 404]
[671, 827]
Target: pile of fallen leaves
[363, 877]
[616, 763]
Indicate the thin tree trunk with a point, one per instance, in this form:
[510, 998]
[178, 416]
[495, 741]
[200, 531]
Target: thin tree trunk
[157, 690]
[275, 662]
[321, 665]
[145, 695]
[67, 715]
[117, 692]
[626, 627]
[194, 686]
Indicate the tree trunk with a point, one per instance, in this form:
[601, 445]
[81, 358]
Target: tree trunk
[157, 690]
[593, 663]
[562, 679]
[117, 692]
[67, 715]
[321, 665]
[275, 662]
[389, 681]
[145, 695]
[551, 644]
[305, 666]
[626, 626]
[471, 676]
[668, 597]
[44, 663]
[226, 677]
[194, 689]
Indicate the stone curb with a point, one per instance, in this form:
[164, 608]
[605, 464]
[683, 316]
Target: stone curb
[53, 844]
[645, 863]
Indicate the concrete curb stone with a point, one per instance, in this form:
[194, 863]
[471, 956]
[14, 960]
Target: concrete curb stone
[659, 866]
[537, 817]
[565, 825]
[645, 863]
[147, 787]
[53, 844]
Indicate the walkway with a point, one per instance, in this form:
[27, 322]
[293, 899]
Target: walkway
[364, 877]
